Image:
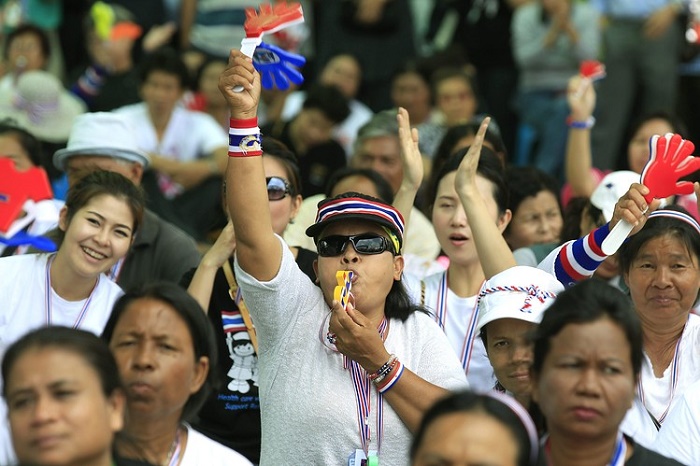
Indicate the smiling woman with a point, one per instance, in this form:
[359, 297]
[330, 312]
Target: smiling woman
[661, 266]
[101, 216]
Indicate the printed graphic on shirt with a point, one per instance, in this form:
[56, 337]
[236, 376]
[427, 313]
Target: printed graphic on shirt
[243, 373]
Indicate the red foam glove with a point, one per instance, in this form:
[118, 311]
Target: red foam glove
[670, 160]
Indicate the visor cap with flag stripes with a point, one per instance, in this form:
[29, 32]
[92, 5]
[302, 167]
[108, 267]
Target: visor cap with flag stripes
[352, 205]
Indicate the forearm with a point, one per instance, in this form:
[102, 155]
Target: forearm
[188, 9]
[403, 202]
[191, 174]
[202, 283]
[411, 397]
[579, 161]
[578, 260]
[258, 251]
[494, 254]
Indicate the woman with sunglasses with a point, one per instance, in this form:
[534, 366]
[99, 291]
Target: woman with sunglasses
[231, 414]
[338, 384]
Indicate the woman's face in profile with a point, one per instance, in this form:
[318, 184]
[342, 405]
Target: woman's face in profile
[465, 439]
[586, 384]
[57, 409]
[155, 355]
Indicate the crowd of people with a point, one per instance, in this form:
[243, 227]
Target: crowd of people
[399, 261]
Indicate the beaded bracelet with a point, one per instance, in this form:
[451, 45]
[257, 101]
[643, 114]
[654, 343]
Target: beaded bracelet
[391, 381]
[379, 379]
[587, 124]
[383, 371]
[244, 138]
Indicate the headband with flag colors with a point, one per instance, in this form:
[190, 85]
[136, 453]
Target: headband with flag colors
[677, 215]
[361, 208]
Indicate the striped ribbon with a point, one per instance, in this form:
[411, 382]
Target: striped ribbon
[675, 372]
[363, 392]
[47, 301]
[441, 317]
[116, 270]
[175, 449]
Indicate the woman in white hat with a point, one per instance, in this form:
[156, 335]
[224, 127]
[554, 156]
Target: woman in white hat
[338, 384]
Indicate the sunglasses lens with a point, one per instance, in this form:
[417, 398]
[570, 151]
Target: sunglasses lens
[364, 244]
[370, 245]
[276, 188]
[331, 245]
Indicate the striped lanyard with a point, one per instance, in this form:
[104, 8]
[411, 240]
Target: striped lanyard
[675, 372]
[47, 301]
[363, 386]
[441, 318]
[175, 449]
[116, 270]
[618, 457]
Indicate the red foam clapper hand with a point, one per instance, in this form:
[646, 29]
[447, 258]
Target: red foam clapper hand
[592, 69]
[670, 159]
[17, 187]
[266, 20]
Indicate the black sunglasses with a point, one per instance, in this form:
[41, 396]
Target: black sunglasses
[277, 188]
[366, 243]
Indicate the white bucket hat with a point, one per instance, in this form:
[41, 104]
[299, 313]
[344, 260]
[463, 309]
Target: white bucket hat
[519, 292]
[40, 104]
[610, 189]
[101, 134]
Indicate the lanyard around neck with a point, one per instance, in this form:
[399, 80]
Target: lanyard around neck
[363, 399]
[465, 355]
[48, 296]
[675, 373]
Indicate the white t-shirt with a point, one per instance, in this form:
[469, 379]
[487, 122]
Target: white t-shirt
[307, 398]
[459, 319]
[203, 451]
[346, 132]
[657, 391]
[679, 437]
[23, 297]
[190, 135]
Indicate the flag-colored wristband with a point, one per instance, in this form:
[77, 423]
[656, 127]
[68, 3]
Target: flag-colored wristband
[391, 379]
[244, 138]
[586, 124]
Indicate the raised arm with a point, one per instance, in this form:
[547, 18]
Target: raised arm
[412, 161]
[494, 254]
[203, 279]
[258, 251]
[579, 160]
[578, 259]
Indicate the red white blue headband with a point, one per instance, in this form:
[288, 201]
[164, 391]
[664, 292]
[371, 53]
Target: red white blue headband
[678, 216]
